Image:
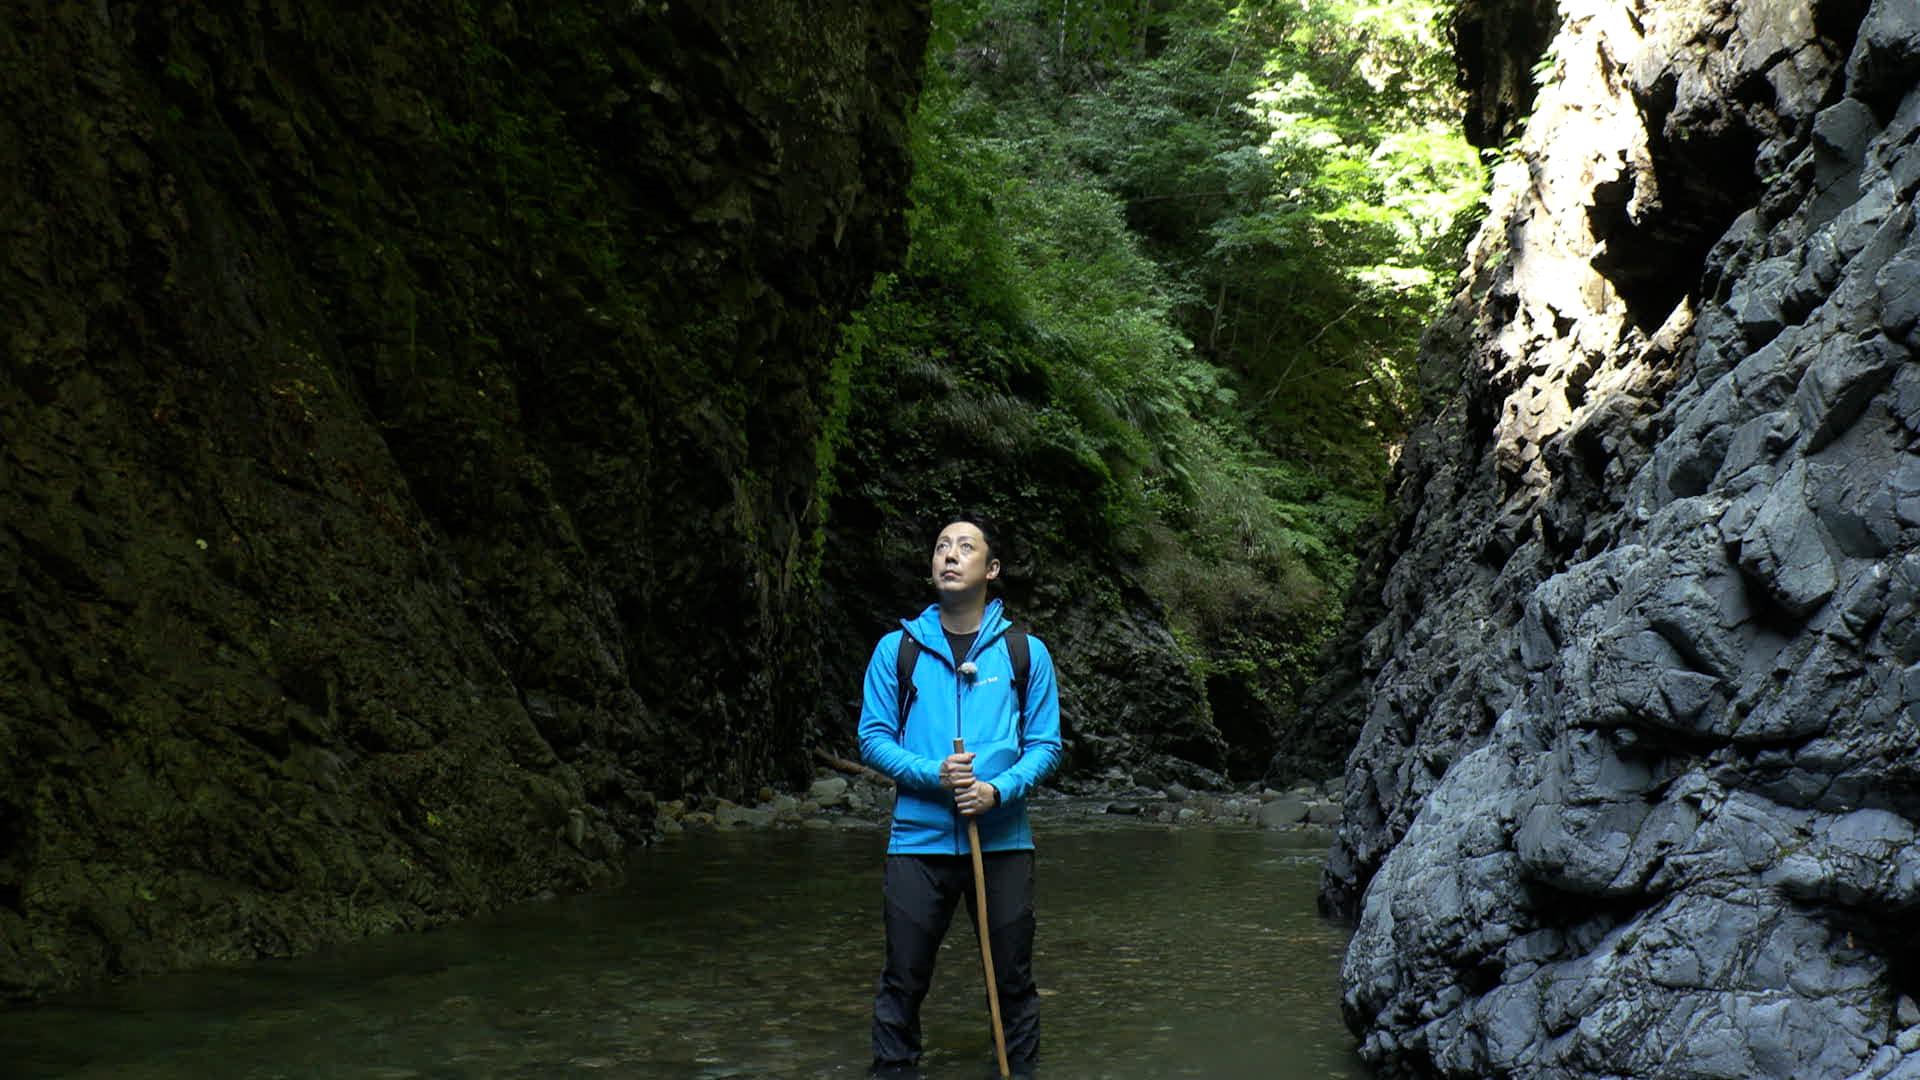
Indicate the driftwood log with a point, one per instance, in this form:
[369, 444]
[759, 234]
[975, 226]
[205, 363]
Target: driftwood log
[851, 768]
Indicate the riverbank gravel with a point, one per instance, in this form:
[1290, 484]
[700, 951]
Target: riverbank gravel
[839, 800]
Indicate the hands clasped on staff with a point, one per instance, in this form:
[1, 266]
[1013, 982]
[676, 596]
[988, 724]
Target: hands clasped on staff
[971, 795]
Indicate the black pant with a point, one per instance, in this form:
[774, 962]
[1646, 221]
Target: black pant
[921, 891]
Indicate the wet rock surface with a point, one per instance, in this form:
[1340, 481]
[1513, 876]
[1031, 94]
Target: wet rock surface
[1635, 788]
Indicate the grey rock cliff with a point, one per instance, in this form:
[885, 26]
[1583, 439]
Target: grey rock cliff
[1639, 763]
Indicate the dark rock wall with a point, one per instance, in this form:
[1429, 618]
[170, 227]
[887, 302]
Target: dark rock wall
[1638, 775]
[406, 445]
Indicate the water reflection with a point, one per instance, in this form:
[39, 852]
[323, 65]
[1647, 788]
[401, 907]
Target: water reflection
[1161, 953]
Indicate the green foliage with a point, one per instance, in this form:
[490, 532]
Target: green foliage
[1168, 268]
[834, 435]
[1308, 197]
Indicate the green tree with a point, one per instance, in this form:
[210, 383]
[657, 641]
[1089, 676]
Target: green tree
[1168, 267]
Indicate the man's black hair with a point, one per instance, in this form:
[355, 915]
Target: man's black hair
[989, 531]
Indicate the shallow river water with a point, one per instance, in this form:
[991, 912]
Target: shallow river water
[1161, 953]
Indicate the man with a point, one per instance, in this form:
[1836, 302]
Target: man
[963, 686]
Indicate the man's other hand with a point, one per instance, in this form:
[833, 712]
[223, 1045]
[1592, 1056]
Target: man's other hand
[956, 771]
[976, 798]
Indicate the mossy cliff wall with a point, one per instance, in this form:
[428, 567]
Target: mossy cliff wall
[1635, 791]
[406, 445]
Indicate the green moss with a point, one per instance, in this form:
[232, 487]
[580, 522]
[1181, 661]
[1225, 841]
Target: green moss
[449, 361]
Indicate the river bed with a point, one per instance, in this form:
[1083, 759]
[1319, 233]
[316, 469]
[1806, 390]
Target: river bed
[1161, 953]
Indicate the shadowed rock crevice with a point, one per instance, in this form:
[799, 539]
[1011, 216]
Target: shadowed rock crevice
[1499, 44]
[1656, 229]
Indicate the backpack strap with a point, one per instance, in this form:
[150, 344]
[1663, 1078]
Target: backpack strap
[1016, 639]
[903, 674]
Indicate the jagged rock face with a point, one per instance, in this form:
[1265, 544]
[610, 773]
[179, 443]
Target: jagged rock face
[407, 435]
[1636, 790]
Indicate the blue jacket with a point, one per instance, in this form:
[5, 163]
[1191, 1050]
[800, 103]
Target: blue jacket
[983, 710]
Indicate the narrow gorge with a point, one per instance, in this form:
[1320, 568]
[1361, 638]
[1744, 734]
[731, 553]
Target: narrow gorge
[434, 437]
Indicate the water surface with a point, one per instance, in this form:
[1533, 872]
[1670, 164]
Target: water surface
[1161, 953]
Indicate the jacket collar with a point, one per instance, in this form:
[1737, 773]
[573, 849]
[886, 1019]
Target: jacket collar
[925, 629]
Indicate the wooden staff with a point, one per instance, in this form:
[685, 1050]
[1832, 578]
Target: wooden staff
[986, 930]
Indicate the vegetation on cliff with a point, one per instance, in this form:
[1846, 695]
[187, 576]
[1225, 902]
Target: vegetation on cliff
[1167, 271]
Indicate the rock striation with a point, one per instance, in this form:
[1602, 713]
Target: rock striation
[1637, 774]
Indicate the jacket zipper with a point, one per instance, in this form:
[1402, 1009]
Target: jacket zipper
[959, 822]
[959, 825]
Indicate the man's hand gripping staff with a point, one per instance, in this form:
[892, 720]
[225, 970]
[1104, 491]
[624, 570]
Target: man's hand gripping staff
[971, 795]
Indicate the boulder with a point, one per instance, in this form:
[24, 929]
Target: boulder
[1281, 813]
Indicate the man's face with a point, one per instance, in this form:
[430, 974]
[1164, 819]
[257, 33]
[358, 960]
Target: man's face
[961, 560]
